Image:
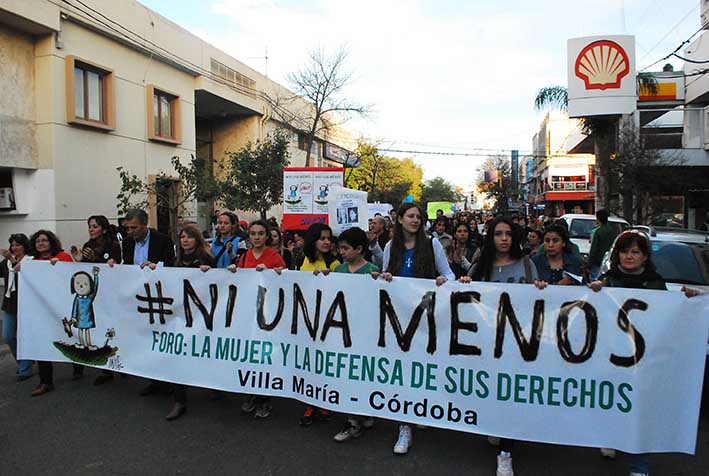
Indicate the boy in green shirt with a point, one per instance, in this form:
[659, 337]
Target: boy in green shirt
[352, 244]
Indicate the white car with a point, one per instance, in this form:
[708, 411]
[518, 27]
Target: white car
[581, 229]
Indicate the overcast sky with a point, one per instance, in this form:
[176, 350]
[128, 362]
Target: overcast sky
[443, 75]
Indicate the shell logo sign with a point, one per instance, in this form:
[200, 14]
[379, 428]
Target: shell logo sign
[601, 72]
[602, 65]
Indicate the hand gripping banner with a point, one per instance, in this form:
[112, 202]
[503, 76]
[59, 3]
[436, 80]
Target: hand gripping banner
[620, 368]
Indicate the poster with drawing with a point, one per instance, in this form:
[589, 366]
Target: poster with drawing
[306, 193]
[347, 209]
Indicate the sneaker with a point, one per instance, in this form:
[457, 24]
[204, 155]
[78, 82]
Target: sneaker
[249, 404]
[405, 440]
[608, 453]
[504, 464]
[493, 440]
[349, 432]
[307, 418]
[263, 410]
[368, 423]
[639, 474]
[323, 415]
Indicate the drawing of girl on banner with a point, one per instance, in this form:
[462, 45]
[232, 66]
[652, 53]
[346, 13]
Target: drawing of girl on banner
[84, 287]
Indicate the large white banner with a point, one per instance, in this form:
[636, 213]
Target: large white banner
[619, 368]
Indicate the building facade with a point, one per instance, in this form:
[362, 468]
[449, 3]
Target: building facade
[559, 181]
[91, 86]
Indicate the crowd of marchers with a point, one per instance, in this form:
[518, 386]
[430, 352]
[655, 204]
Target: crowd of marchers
[467, 247]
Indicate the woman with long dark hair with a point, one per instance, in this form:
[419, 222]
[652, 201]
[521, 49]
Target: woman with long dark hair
[192, 252]
[279, 247]
[558, 258]
[227, 241]
[47, 247]
[260, 256]
[462, 250]
[102, 245]
[317, 249]
[318, 258]
[18, 252]
[502, 260]
[412, 254]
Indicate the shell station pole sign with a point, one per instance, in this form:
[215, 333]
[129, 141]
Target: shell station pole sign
[601, 75]
[306, 193]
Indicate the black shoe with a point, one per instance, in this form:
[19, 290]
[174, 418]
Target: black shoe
[103, 378]
[307, 418]
[150, 389]
[178, 409]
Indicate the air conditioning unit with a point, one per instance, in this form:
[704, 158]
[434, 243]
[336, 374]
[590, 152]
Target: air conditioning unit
[705, 138]
[7, 198]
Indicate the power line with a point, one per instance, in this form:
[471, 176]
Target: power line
[685, 42]
[668, 34]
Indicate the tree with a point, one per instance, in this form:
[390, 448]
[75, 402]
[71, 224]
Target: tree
[641, 174]
[195, 183]
[253, 176]
[385, 179]
[439, 190]
[322, 82]
[603, 130]
[501, 188]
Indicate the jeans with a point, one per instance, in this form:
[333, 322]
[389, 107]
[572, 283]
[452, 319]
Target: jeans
[9, 334]
[639, 463]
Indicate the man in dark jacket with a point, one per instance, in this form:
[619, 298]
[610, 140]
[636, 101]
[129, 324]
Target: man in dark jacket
[602, 241]
[145, 245]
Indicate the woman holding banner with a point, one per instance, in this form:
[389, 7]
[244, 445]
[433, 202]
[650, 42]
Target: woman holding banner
[318, 258]
[192, 252]
[558, 264]
[631, 266]
[412, 254]
[102, 246]
[9, 270]
[502, 260]
[259, 257]
[47, 247]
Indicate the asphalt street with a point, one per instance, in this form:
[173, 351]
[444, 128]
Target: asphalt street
[81, 429]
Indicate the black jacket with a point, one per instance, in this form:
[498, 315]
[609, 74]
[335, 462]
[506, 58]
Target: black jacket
[8, 304]
[160, 249]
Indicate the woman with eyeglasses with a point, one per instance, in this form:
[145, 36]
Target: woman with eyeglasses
[47, 247]
[318, 259]
[9, 269]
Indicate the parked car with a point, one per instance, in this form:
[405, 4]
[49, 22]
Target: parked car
[581, 229]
